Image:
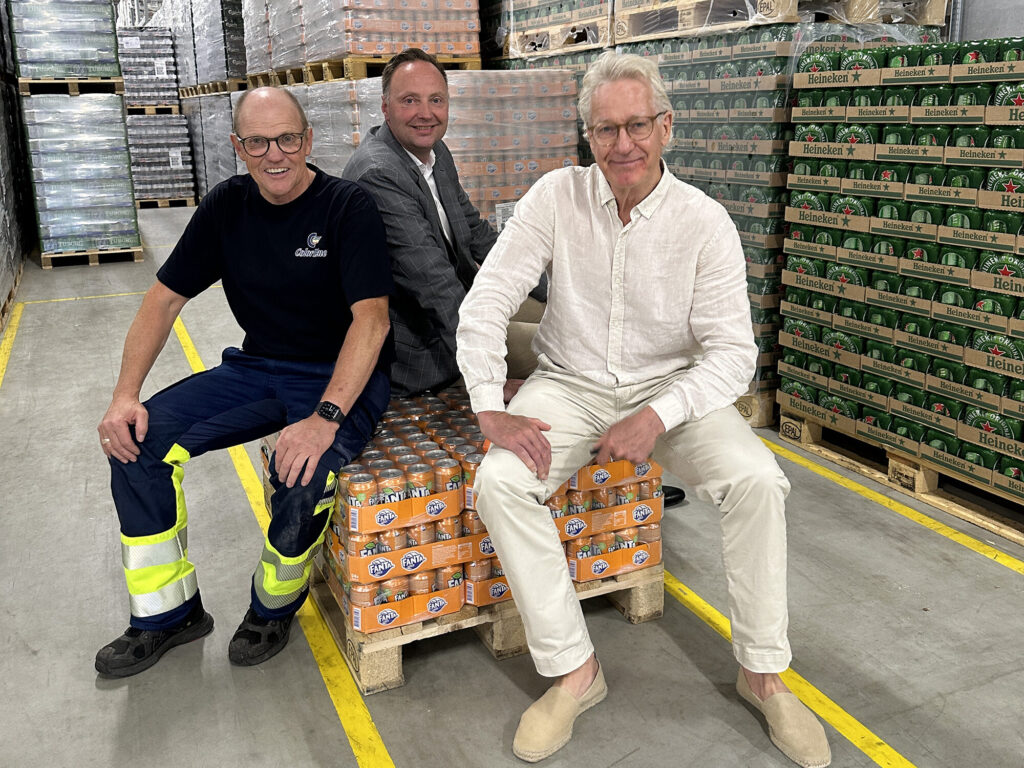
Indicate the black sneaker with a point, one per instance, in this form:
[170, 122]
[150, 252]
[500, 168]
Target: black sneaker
[257, 639]
[139, 649]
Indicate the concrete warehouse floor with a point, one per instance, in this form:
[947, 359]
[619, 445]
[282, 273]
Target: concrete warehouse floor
[913, 637]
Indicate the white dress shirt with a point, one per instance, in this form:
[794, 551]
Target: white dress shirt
[664, 295]
[427, 169]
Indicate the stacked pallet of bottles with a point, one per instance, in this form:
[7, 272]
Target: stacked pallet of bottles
[904, 273]
[158, 139]
[219, 42]
[177, 16]
[16, 237]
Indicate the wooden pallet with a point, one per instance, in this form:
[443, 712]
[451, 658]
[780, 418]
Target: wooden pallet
[573, 37]
[8, 304]
[210, 89]
[916, 479]
[72, 86]
[376, 659]
[153, 109]
[758, 409]
[276, 77]
[640, 20]
[166, 202]
[93, 257]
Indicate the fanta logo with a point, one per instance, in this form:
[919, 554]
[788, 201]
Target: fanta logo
[380, 567]
[575, 527]
[436, 604]
[436, 507]
[498, 589]
[601, 476]
[386, 517]
[598, 567]
[486, 546]
[640, 557]
[387, 616]
[642, 512]
[642, 469]
[312, 240]
[412, 560]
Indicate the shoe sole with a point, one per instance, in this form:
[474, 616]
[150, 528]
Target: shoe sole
[756, 704]
[196, 631]
[252, 661]
[536, 757]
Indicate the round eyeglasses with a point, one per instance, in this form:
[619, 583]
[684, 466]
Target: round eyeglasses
[258, 146]
[637, 128]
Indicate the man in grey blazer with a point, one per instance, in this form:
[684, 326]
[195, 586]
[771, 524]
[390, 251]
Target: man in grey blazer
[436, 236]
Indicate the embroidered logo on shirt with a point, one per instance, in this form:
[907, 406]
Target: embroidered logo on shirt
[311, 251]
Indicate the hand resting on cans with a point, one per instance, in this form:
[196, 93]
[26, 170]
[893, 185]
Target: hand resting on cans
[631, 439]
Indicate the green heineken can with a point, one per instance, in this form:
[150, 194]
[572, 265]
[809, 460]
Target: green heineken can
[886, 281]
[934, 96]
[804, 265]
[984, 457]
[1011, 467]
[856, 133]
[761, 316]
[857, 310]
[865, 58]
[995, 303]
[809, 98]
[833, 169]
[907, 429]
[965, 177]
[990, 421]
[724, 132]
[900, 56]
[917, 325]
[769, 163]
[879, 350]
[894, 172]
[794, 357]
[840, 339]
[893, 209]
[950, 371]
[1005, 264]
[940, 441]
[852, 205]
[919, 289]
[889, 318]
[939, 53]
[927, 213]
[857, 241]
[763, 286]
[944, 406]
[972, 95]
[725, 69]
[818, 366]
[1005, 180]
[877, 384]
[979, 52]
[846, 273]
[823, 302]
[889, 245]
[763, 132]
[908, 393]
[800, 296]
[955, 295]
[737, 164]
[1011, 49]
[801, 328]
[898, 134]
[1016, 390]
[964, 218]
[770, 99]
[922, 252]
[1006, 137]
[819, 132]
[861, 169]
[827, 236]
[761, 255]
[899, 96]
[876, 418]
[836, 97]
[866, 97]
[840, 405]
[915, 361]
[1009, 95]
[818, 61]
[802, 232]
[754, 194]
[971, 136]
[811, 201]
[846, 375]
[951, 333]
[929, 174]
[720, 191]
[1002, 221]
[957, 256]
[803, 166]
[987, 381]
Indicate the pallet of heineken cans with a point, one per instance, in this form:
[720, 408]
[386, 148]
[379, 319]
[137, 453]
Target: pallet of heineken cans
[904, 281]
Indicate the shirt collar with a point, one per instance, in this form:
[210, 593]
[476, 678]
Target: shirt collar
[649, 204]
[424, 167]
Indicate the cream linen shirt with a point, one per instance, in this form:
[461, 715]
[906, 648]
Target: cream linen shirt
[663, 296]
[427, 169]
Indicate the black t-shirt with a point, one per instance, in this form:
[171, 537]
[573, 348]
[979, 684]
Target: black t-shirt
[290, 272]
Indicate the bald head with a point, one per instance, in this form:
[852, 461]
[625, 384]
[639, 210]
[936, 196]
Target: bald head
[269, 99]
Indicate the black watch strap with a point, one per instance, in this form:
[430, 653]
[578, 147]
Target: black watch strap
[330, 411]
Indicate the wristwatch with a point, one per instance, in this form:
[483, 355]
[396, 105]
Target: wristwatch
[331, 412]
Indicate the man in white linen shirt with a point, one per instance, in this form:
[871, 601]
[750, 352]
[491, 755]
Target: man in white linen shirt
[645, 345]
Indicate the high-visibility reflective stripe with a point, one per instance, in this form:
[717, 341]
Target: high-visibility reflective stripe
[156, 577]
[135, 556]
[165, 599]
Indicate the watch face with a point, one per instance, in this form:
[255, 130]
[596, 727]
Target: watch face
[328, 411]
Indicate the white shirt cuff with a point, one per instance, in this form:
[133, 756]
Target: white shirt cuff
[487, 397]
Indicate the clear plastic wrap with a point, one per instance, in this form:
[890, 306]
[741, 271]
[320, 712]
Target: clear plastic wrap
[64, 39]
[218, 153]
[13, 235]
[257, 35]
[220, 50]
[192, 110]
[161, 156]
[148, 65]
[334, 114]
[287, 33]
[177, 15]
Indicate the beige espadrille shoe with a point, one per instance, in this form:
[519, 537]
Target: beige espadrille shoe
[546, 726]
[792, 727]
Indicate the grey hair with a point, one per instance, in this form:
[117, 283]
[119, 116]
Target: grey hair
[236, 113]
[611, 66]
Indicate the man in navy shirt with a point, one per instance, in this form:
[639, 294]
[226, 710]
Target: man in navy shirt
[304, 265]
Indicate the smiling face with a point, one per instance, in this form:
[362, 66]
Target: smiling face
[280, 177]
[632, 168]
[416, 109]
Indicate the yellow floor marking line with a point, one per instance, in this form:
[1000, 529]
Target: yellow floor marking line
[848, 726]
[84, 298]
[8, 339]
[911, 514]
[363, 736]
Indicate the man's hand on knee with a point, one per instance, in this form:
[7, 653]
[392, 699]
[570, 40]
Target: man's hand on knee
[301, 445]
[521, 435]
[631, 439]
[115, 436]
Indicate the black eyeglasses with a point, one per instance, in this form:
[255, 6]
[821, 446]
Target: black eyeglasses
[637, 128]
[258, 146]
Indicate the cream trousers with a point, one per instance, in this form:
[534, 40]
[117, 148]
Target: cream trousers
[718, 457]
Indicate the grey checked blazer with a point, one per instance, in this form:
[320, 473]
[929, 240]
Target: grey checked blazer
[430, 280]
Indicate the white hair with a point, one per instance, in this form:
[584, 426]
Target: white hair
[611, 66]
